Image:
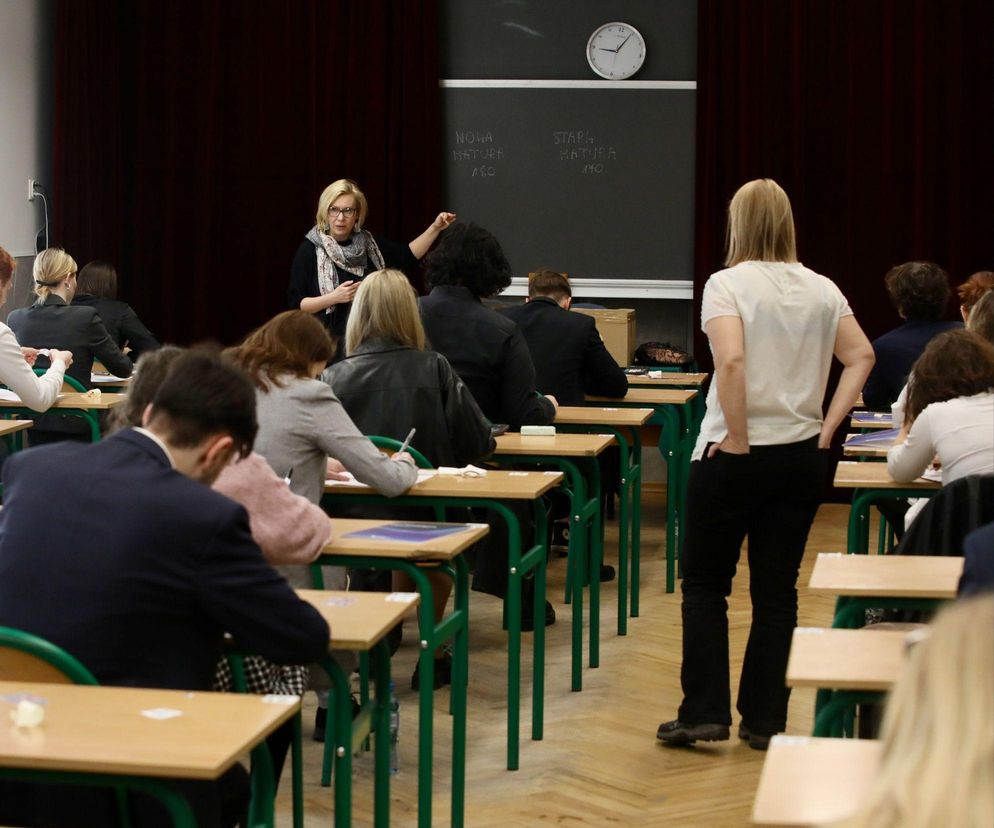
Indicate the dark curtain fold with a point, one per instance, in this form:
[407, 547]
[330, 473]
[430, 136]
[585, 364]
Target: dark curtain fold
[193, 139]
[876, 116]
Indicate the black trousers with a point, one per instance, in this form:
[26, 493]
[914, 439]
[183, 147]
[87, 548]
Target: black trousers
[771, 496]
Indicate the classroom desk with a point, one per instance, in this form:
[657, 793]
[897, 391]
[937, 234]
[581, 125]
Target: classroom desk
[450, 491]
[73, 402]
[571, 454]
[625, 425]
[14, 429]
[669, 379]
[855, 666]
[680, 425]
[867, 420]
[878, 450]
[808, 782]
[99, 735]
[106, 380]
[889, 581]
[445, 554]
[359, 621]
[871, 482]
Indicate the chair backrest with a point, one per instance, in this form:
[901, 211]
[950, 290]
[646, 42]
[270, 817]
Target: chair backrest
[68, 383]
[390, 443]
[951, 514]
[27, 657]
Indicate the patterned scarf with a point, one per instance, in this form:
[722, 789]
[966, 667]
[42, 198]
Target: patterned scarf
[352, 257]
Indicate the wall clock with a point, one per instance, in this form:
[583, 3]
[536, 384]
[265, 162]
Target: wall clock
[616, 51]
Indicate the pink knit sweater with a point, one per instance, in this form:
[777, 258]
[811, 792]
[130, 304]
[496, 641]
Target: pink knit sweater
[288, 528]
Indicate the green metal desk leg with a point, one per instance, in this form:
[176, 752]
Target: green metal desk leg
[829, 720]
[381, 738]
[670, 439]
[636, 504]
[594, 521]
[459, 693]
[297, 757]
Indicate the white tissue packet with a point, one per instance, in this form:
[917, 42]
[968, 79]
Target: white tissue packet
[27, 714]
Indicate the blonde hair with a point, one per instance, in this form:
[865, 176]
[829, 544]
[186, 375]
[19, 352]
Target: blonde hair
[938, 731]
[331, 194]
[385, 307]
[52, 267]
[760, 224]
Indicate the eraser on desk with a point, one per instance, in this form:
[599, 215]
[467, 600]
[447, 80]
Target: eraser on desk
[538, 431]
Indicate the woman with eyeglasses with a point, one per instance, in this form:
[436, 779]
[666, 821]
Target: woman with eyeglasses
[337, 254]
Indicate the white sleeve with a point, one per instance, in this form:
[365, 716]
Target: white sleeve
[910, 459]
[38, 393]
[842, 302]
[900, 406]
[716, 301]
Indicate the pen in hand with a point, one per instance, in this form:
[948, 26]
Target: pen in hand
[407, 441]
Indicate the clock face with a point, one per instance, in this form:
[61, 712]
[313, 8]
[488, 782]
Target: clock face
[616, 51]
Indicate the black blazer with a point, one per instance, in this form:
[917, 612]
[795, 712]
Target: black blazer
[122, 323]
[488, 353]
[51, 323]
[388, 389]
[143, 570]
[568, 352]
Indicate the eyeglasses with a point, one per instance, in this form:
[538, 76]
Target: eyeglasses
[335, 212]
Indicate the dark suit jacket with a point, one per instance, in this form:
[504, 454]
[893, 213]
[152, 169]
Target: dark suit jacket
[978, 564]
[896, 351]
[568, 352]
[121, 322]
[489, 354]
[51, 323]
[137, 570]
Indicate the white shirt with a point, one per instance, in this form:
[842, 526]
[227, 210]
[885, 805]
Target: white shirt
[790, 316]
[38, 393]
[960, 431]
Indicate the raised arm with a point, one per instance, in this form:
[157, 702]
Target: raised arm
[727, 338]
[854, 351]
[422, 244]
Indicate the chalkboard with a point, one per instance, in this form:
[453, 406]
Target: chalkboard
[598, 183]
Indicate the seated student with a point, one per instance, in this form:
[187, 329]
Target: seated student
[390, 384]
[96, 287]
[972, 289]
[919, 292]
[52, 322]
[489, 353]
[120, 553]
[938, 751]
[950, 412]
[568, 352]
[15, 362]
[302, 424]
[486, 349]
[288, 528]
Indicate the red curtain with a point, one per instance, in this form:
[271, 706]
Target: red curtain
[876, 117]
[193, 139]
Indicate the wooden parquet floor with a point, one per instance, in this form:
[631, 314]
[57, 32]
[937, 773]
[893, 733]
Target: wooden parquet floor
[599, 764]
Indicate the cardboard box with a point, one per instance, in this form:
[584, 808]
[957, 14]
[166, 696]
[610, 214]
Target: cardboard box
[617, 329]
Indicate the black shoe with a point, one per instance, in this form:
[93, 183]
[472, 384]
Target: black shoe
[321, 719]
[528, 619]
[757, 741]
[678, 733]
[443, 671]
[560, 537]
[607, 573]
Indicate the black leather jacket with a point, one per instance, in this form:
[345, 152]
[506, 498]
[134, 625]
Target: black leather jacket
[388, 389]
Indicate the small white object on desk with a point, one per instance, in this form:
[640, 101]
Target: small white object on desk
[466, 471]
[27, 714]
[538, 431]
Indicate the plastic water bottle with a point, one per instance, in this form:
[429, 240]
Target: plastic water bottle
[394, 729]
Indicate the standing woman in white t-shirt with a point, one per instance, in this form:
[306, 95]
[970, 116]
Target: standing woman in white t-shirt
[759, 463]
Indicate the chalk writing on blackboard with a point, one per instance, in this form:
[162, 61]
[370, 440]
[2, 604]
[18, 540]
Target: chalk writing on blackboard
[581, 148]
[478, 150]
